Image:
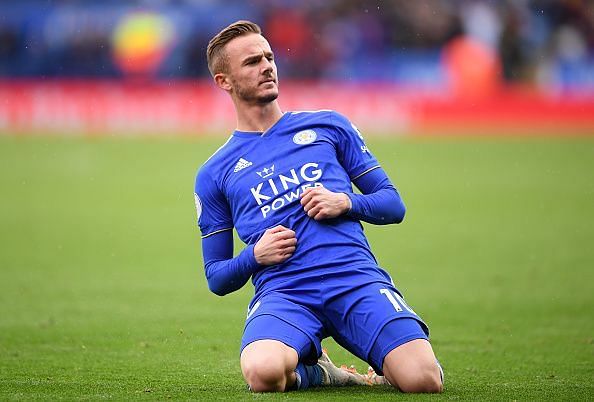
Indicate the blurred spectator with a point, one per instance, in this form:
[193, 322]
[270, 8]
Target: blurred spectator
[543, 42]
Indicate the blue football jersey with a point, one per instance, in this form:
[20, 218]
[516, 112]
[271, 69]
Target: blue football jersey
[254, 182]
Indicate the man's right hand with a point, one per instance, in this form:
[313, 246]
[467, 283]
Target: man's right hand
[275, 246]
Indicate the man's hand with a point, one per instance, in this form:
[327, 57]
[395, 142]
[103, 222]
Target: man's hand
[275, 246]
[320, 203]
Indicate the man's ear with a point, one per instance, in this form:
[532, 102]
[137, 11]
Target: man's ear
[222, 81]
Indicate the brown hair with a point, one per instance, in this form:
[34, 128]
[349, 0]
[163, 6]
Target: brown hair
[215, 57]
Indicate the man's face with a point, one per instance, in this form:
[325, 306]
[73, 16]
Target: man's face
[251, 69]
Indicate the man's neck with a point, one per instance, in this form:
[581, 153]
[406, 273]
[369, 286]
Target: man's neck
[258, 118]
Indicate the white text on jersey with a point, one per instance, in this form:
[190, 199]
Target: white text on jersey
[309, 174]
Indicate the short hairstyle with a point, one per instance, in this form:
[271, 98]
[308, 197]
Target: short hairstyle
[215, 56]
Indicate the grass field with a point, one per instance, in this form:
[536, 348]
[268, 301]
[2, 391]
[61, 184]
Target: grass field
[102, 293]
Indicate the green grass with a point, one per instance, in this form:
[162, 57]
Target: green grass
[102, 294]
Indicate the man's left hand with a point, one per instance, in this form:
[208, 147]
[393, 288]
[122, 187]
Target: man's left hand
[320, 203]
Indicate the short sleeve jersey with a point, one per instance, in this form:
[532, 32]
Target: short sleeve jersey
[254, 182]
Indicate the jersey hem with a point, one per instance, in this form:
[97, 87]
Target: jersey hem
[261, 291]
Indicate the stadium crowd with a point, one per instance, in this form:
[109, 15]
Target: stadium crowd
[401, 41]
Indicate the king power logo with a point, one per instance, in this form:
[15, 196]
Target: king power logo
[279, 191]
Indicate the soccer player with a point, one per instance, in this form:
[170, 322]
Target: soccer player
[283, 181]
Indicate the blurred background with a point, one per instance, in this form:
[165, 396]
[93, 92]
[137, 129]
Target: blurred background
[398, 66]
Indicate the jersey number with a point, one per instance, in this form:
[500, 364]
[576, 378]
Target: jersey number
[397, 301]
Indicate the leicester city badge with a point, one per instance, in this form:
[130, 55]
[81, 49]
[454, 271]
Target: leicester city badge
[305, 137]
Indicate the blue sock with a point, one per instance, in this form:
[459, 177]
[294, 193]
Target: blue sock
[308, 376]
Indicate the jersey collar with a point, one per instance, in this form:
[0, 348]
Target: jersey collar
[259, 134]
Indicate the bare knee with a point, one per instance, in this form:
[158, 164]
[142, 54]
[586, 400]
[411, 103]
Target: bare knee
[412, 367]
[268, 366]
[265, 375]
[426, 379]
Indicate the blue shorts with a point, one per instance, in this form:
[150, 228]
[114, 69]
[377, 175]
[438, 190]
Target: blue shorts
[369, 320]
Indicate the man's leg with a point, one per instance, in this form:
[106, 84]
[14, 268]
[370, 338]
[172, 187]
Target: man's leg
[278, 334]
[269, 366]
[412, 367]
[375, 323]
[405, 355]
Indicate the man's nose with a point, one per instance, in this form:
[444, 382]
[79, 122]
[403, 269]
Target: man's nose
[266, 62]
[267, 67]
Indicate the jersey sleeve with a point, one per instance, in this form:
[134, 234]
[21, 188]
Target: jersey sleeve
[225, 273]
[379, 202]
[354, 156]
[212, 208]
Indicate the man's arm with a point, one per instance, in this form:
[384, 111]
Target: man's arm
[226, 274]
[379, 202]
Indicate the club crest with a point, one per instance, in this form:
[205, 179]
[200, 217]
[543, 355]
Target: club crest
[305, 137]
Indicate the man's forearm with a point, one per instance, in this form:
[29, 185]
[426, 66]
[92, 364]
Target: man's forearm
[225, 273]
[380, 202]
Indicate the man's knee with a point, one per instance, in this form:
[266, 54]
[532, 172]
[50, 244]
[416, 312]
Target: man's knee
[423, 378]
[412, 367]
[265, 375]
[267, 365]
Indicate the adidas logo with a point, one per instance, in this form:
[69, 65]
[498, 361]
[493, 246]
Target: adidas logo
[241, 164]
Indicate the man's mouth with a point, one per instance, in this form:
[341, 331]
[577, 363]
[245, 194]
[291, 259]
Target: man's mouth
[268, 80]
